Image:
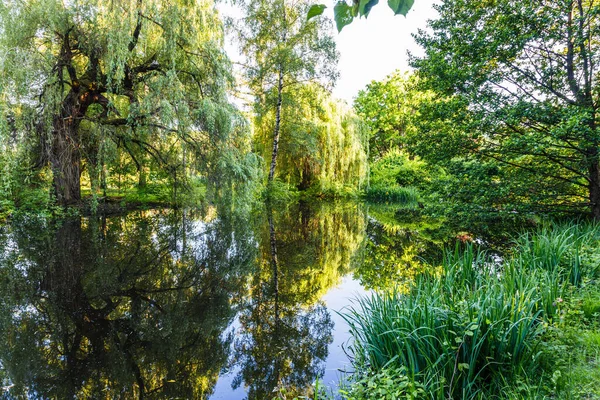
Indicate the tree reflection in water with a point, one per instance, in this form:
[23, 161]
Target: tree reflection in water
[285, 327]
[142, 305]
[131, 306]
[158, 304]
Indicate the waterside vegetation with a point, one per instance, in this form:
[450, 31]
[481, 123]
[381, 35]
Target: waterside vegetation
[479, 328]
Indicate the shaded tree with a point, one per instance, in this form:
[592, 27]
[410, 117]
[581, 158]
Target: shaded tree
[149, 76]
[519, 88]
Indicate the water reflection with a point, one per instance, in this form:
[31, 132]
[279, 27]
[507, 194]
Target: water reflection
[166, 304]
[130, 306]
[397, 251]
[285, 327]
[159, 304]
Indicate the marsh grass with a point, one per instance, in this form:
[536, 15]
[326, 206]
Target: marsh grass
[470, 329]
[395, 194]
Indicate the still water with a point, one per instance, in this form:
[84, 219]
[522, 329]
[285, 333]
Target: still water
[195, 305]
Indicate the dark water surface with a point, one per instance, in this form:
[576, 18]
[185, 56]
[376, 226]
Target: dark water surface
[175, 304]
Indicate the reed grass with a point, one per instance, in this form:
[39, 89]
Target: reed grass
[396, 194]
[461, 331]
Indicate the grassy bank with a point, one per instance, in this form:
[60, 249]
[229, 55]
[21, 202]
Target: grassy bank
[525, 327]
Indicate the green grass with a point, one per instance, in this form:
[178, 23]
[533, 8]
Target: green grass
[150, 195]
[474, 329]
[393, 194]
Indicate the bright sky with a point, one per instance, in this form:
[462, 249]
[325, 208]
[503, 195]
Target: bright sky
[370, 49]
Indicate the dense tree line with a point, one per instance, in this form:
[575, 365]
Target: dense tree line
[110, 97]
[505, 99]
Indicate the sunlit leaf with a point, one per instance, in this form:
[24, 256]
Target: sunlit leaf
[365, 7]
[315, 10]
[400, 6]
[342, 14]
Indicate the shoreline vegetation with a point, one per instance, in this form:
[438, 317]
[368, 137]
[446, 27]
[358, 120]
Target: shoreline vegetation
[525, 327]
[474, 326]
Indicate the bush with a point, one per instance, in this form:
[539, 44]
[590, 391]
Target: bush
[387, 384]
[395, 169]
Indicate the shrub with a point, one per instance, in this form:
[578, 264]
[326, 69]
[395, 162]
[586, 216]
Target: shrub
[388, 384]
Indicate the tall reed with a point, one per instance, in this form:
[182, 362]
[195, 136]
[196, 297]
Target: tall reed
[460, 331]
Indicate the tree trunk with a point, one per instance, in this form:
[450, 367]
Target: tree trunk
[277, 125]
[306, 177]
[65, 156]
[273, 241]
[594, 162]
[93, 166]
[594, 173]
[142, 178]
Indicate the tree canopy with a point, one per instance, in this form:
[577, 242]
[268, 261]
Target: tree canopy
[146, 77]
[517, 85]
[389, 108]
[283, 50]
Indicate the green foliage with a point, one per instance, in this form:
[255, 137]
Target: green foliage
[396, 178]
[397, 169]
[568, 251]
[462, 331]
[319, 393]
[287, 57]
[390, 383]
[345, 13]
[277, 191]
[513, 87]
[394, 250]
[569, 351]
[322, 145]
[124, 92]
[315, 10]
[274, 35]
[390, 108]
[401, 195]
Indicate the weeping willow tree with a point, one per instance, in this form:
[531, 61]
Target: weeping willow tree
[88, 78]
[283, 50]
[323, 143]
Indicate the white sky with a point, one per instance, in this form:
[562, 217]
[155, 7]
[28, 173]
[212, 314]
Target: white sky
[370, 49]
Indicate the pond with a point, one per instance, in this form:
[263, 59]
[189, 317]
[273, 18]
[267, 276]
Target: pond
[181, 304]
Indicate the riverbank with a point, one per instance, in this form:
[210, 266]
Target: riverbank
[472, 328]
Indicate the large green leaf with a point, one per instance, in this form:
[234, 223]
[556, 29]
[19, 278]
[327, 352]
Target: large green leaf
[343, 15]
[400, 6]
[365, 6]
[315, 10]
